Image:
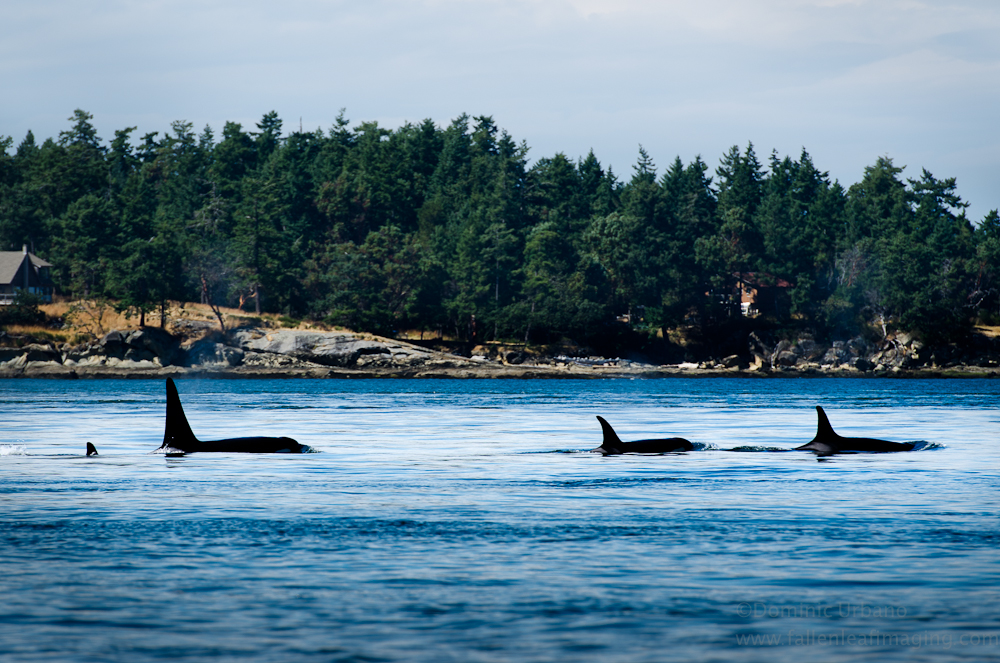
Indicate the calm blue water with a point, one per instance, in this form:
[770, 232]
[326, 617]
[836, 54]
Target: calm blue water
[463, 521]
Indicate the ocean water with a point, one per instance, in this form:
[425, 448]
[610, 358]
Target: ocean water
[465, 521]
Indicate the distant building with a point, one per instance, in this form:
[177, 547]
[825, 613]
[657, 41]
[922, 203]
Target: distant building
[21, 270]
[761, 294]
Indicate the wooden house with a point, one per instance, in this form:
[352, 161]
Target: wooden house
[22, 270]
[762, 294]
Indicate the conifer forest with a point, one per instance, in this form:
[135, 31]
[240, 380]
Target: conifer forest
[454, 230]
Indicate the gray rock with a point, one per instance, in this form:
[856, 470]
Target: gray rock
[732, 361]
[787, 358]
[326, 348]
[858, 346]
[760, 351]
[209, 353]
[112, 344]
[6, 354]
[834, 356]
[137, 355]
[148, 347]
[83, 353]
[156, 342]
[272, 360]
[782, 346]
[808, 349]
[374, 360]
[49, 369]
[16, 364]
[514, 357]
[37, 352]
[113, 337]
[863, 364]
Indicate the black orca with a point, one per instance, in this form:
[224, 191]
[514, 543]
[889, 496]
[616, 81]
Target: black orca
[612, 445]
[91, 449]
[179, 439]
[827, 442]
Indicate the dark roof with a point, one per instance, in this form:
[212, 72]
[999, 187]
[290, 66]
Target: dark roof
[10, 262]
[762, 280]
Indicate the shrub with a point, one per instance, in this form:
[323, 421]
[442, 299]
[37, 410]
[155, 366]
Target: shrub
[24, 311]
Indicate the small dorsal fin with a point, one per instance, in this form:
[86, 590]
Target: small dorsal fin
[823, 428]
[177, 432]
[91, 449]
[610, 436]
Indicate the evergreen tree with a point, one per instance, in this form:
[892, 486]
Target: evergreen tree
[985, 294]
[800, 218]
[685, 211]
[738, 243]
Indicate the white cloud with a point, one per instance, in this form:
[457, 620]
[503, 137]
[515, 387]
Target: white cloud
[848, 79]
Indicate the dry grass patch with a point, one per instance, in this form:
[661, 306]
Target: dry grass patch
[88, 319]
[989, 331]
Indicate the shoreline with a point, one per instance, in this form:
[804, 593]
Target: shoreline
[493, 372]
[259, 353]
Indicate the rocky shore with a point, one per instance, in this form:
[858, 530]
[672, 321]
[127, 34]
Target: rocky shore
[285, 353]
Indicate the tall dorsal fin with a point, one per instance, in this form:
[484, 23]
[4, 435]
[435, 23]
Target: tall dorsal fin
[177, 432]
[610, 436]
[91, 449]
[823, 428]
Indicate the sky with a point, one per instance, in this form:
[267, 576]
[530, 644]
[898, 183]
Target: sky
[847, 80]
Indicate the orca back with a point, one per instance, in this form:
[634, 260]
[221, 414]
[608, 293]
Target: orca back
[91, 449]
[253, 445]
[178, 438]
[613, 445]
[827, 441]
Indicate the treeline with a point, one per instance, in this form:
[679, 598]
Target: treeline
[450, 229]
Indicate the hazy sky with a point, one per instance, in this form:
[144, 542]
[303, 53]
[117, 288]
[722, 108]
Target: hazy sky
[849, 80]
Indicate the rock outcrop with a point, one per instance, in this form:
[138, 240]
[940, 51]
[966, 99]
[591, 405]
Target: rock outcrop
[244, 351]
[248, 352]
[147, 348]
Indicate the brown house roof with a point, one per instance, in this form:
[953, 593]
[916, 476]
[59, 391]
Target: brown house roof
[761, 280]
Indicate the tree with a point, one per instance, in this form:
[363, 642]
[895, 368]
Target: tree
[143, 276]
[800, 218]
[986, 291]
[599, 189]
[269, 136]
[560, 296]
[685, 211]
[917, 245]
[626, 249]
[741, 190]
[257, 250]
[83, 246]
[376, 285]
[233, 158]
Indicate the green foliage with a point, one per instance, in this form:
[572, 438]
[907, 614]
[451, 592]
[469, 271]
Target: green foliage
[985, 293]
[451, 229]
[374, 286]
[24, 310]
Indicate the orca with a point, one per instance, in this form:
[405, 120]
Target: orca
[827, 442]
[91, 449]
[178, 439]
[612, 445]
